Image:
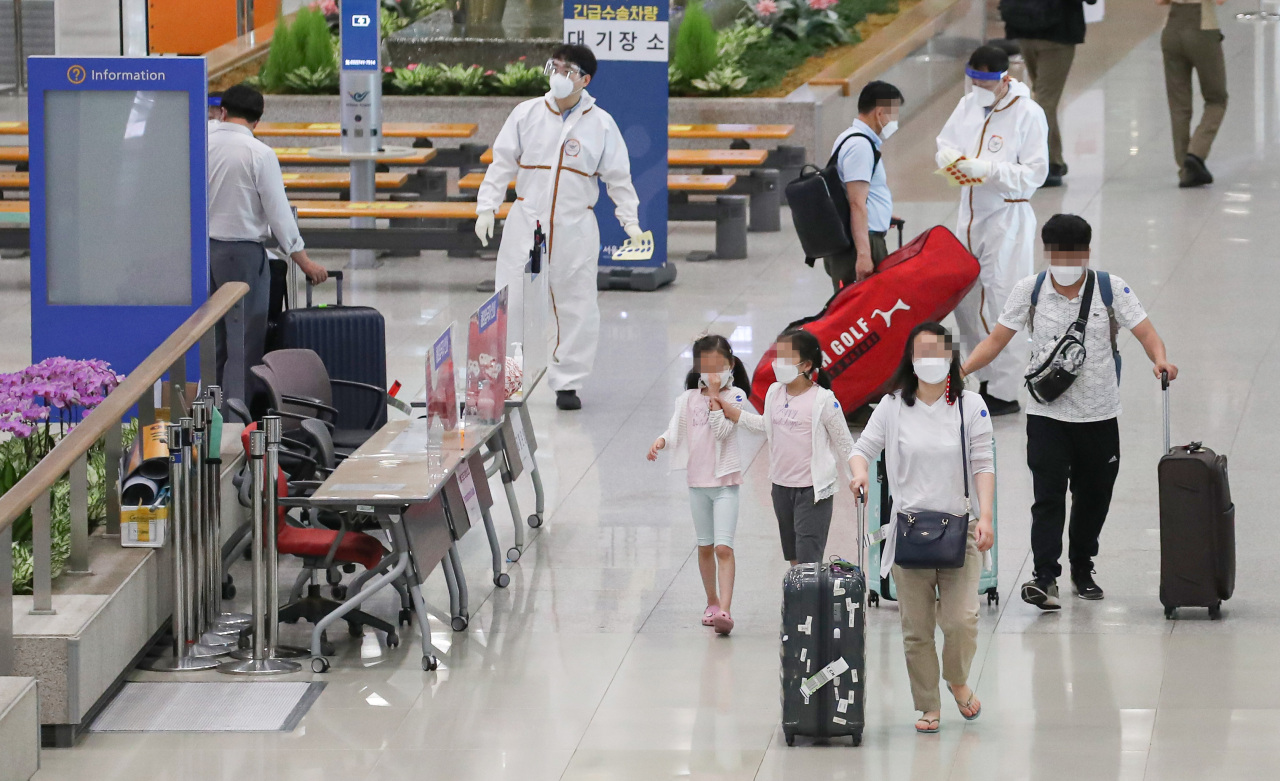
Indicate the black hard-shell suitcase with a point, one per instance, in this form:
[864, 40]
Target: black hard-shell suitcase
[352, 343]
[1197, 526]
[824, 647]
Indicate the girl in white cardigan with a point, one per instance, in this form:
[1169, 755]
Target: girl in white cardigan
[704, 442]
[809, 444]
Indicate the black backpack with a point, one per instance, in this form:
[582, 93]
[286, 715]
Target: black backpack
[820, 205]
[1032, 16]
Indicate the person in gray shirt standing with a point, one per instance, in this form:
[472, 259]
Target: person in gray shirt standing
[862, 171]
[247, 205]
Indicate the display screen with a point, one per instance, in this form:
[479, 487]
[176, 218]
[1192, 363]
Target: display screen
[118, 198]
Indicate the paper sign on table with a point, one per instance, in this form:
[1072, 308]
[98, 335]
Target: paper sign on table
[470, 499]
[637, 248]
[522, 442]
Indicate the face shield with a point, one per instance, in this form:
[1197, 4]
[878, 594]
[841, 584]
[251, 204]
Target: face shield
[985, 83]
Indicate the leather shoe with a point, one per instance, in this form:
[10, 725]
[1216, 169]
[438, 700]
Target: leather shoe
[568, 400]
[1194, 172]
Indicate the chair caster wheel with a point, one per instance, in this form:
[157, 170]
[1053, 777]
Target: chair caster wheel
[228, 589]
[1169, 613]
[429, 663]
[406, 617]
[319, 665]
[535, 520]
[354, 629]
[393, 640]
[459, 623]
[339, 592]
[513, 555]
[502, 580]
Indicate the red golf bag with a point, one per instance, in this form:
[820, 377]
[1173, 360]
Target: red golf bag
[863, 329]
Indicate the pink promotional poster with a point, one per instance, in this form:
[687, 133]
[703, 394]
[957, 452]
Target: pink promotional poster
[486, 361]
[442, 393]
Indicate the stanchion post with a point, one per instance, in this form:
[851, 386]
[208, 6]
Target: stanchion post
[210, 635]
[181, 658]
[263, 516]
[224, 622]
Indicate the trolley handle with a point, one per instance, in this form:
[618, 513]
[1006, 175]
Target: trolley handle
[1164, 388]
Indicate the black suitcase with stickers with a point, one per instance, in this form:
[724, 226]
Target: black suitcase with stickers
[824, 647]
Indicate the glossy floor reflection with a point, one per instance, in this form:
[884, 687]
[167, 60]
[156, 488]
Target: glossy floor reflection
[593, 665]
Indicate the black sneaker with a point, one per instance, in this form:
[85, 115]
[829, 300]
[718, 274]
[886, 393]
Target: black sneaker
[568, 400]
[1084, 586]
[998, 407]
[1194, 172]
[1056, 172]
[1041, 593]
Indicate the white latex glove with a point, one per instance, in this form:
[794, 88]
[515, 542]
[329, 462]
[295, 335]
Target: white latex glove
[948, 156]
[978, 169]
[484, 227]
[632, 230]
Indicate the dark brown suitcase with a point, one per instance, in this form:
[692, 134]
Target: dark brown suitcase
[1197, 526]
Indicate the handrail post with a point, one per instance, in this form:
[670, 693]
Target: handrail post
[6, 602]
[113, 449]
[42, 555]
[261, 663]
[78, 562]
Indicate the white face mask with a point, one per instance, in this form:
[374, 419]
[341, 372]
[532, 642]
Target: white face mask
[889, 129]
[561, 86]
[1066, 275]
[931, 371]
[785, 373]
[985, 97]
[720, 377]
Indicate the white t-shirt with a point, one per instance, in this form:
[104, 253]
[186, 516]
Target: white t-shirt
[1095, 395]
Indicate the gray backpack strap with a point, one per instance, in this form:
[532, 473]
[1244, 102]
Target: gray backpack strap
[1035, 298]
[1104, 284]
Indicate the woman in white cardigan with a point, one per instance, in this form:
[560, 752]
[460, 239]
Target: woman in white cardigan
[809, 444]
[705, 443]
[918, 426]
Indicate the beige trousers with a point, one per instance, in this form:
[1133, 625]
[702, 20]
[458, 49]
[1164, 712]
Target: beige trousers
[1048, 64]
[1189, 50]
[946, 598]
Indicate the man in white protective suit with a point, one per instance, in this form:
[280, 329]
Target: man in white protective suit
[556, 147]
[1002, 136]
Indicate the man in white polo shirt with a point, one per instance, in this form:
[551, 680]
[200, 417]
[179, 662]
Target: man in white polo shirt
[1073, 439]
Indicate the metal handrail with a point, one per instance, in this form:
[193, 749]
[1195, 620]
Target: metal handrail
[139, 382]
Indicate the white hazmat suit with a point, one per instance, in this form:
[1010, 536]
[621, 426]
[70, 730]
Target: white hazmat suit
[556, 162]
[997, 222]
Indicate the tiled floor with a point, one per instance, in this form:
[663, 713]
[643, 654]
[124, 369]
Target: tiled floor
[593, 665]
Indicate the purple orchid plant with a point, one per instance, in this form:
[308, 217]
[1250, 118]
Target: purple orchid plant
[56, 390]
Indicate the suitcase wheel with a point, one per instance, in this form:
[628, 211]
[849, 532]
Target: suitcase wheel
[856, 738]
[791, 738]
[993, 596]
[1215, 612]
[874, 599]
[1169, 613]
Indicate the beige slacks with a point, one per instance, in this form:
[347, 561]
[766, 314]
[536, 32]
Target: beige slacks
[946, 598]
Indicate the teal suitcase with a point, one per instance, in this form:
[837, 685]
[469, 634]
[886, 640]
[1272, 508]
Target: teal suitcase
[879, 505]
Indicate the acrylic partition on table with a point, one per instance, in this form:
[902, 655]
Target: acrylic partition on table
[442, 392]
[486, 390]
[529, 336]
[119, 234]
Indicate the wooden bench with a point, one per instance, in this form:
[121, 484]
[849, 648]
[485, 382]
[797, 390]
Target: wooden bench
[728, 211]
[389, 130]
[14, 154]
[414, 225]
[21, 180]
[302, 155]
[732, 132]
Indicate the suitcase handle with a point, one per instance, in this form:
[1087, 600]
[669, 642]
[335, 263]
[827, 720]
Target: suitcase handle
[861, 502]
[334, 275]
[1164, 388]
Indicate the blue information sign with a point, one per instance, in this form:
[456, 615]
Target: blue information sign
[360, 35]
[630, 41]
[119, 216]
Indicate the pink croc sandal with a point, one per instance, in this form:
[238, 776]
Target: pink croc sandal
[709, 615]
[723, 623]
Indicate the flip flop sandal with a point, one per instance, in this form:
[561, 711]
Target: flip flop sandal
[709, 615]
[723, 623]
[935, 722]
[969, 704]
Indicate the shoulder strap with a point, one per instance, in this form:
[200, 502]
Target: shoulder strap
[964, 454]
[875, 152]
[1035, 298]
[1086, 302]
[1108, 300]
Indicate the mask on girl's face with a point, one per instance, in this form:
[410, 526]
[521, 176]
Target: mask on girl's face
[889, 129]
[784, 372]
[1066, 275]
[561, 86]
[720, 378]
[931, 371]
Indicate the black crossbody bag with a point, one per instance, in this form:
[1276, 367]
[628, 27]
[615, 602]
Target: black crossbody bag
[1053, 375]
[935, 540]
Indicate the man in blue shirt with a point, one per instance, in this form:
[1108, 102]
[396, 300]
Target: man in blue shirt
[863, 174]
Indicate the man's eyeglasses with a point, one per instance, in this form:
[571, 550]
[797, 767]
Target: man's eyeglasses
[563, 68]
